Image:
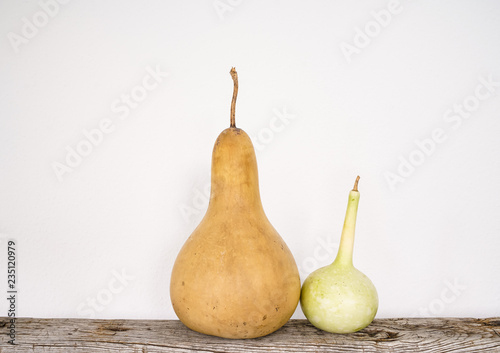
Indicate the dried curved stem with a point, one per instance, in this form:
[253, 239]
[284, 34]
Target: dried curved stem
[356, 184]
[234, 75]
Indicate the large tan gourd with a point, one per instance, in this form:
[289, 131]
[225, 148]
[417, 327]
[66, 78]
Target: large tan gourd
[234, 277]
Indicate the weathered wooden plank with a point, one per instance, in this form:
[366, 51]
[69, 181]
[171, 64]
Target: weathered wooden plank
[151, 336]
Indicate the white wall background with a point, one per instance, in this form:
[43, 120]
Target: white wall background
[100, 241]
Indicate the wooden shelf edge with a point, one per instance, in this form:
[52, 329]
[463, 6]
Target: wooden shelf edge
[383, 335]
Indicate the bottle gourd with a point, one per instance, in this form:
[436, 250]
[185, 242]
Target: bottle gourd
[339, 298]
[234, 277]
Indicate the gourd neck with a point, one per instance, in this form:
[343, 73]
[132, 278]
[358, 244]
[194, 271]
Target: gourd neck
[235, 181]
[346, 247]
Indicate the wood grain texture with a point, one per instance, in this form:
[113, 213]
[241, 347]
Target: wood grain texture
[148, 336]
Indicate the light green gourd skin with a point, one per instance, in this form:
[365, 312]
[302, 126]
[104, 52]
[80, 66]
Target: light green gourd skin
[338, 298]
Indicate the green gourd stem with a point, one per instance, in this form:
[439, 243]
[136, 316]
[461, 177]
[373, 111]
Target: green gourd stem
[344, 255]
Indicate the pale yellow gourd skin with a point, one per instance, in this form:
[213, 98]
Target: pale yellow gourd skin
[235, 277]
